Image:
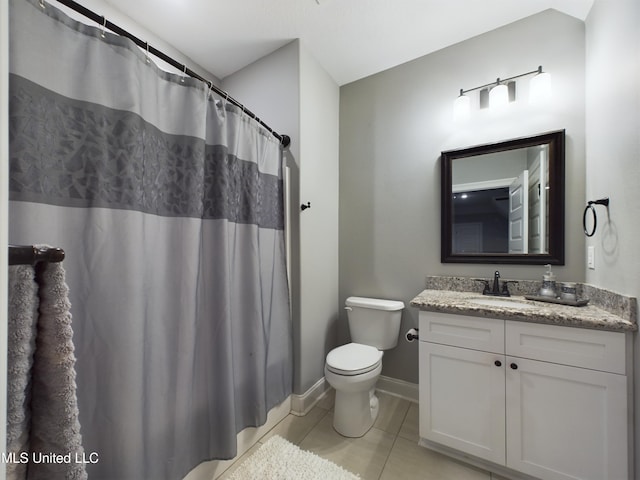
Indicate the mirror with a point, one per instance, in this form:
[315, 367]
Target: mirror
[504, 202]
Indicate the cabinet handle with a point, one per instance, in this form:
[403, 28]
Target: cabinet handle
[497, 363]
[514, 366]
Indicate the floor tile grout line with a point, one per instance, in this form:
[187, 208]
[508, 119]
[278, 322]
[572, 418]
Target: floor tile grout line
[384, 465]
[315, 425]
[395, 439]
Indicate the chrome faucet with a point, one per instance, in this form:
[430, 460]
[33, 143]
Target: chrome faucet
[496, 291]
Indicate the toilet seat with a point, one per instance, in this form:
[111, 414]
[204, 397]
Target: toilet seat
[353, 359]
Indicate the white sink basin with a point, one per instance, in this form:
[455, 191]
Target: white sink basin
[500, 302]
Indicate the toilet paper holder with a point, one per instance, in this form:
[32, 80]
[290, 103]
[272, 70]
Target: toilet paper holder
[412, 335]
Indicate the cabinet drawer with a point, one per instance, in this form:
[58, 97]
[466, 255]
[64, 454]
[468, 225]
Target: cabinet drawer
[579, 347]
[477, 333]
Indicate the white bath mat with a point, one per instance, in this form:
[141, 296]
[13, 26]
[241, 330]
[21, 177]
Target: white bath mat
[280, 460]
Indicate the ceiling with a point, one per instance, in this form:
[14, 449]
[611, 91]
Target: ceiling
[351, 39]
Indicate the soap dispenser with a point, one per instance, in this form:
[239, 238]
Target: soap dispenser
[548, 288]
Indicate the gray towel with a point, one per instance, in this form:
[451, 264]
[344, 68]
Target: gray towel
[23, 315]
[43, 430]
[55, 428]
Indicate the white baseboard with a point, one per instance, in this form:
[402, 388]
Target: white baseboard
[246, 439]
[302, 404]
[398, 388]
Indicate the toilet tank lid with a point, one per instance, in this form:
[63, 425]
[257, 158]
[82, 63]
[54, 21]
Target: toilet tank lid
[375, 303]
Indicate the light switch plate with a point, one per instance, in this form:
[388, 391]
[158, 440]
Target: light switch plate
[591, 257]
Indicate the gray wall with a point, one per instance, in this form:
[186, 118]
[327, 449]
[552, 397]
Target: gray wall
[613, 153]
[293, 93]
[393, 126]
[319, 105]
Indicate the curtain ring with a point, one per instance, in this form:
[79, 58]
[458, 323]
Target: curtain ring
[584, 220]
[42, 5]
[185, 73]
[148, 60]
[104, 26]
[210, 90]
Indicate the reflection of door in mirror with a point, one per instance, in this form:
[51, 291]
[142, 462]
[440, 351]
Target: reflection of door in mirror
[519, 214]
[538, 199]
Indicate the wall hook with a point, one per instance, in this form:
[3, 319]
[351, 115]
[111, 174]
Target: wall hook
[589, 207]
[303, 207]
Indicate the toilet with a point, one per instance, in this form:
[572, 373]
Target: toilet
[353, 369]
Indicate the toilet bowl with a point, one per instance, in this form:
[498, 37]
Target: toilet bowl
[353, 369]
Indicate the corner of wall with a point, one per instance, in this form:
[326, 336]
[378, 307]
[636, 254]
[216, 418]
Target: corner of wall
[319, 117]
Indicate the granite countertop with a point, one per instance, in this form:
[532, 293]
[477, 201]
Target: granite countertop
[603, 313]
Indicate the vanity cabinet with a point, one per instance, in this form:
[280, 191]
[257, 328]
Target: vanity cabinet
[544, 400]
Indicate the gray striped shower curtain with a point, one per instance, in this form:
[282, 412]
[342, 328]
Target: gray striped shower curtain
[168, 202]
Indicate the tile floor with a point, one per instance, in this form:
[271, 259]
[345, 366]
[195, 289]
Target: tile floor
[389, 451]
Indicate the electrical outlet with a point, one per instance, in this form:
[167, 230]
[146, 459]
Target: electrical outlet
[591, 257]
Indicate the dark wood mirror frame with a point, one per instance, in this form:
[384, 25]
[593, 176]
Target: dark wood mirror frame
[555, 256]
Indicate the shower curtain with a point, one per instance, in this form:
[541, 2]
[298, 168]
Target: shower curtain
[168, 202]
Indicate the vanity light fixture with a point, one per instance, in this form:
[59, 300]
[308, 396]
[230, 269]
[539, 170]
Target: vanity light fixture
[498, 94]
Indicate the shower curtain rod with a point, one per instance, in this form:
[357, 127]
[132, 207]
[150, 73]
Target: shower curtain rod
[285, 140]
[32, 254]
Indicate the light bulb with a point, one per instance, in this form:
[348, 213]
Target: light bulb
[498, 97]
[461, 108]
[540, 88]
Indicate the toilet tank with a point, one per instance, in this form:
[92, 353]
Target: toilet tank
[373, 321]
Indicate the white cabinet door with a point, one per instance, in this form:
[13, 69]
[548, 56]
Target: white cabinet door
[462, 400]
[565, 422]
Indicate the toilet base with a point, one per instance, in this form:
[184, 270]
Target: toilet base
[355, 412]
[356, 406]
